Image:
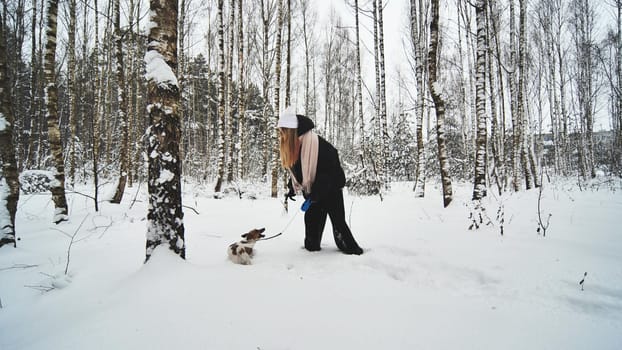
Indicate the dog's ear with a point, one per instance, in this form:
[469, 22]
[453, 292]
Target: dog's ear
[261, 229]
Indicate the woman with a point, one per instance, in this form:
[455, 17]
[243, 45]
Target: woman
[314, 169]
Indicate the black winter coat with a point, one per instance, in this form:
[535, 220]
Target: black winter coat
[329, 175]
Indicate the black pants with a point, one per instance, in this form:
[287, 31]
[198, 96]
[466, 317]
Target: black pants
[315, 220]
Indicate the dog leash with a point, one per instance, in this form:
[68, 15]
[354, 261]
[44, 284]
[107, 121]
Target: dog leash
[283, 230]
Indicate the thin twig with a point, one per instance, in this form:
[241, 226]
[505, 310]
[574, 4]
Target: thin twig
[191, 208]
[80, 193]
[136, 195]
[40, 288]
[71, 243]
[18, 266]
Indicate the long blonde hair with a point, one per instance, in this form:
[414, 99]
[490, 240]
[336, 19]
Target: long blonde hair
[289, 146]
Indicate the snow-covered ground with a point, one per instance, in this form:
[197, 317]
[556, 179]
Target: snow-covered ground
[424, 282]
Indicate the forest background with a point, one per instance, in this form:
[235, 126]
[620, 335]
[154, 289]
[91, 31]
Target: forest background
[503, 94]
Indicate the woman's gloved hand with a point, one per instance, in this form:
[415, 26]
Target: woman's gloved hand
[305, 206]
[290, 195]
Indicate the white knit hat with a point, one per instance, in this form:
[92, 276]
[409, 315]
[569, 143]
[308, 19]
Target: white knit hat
[288, 118]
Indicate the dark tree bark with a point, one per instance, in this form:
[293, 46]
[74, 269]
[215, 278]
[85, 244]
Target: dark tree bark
[221, 98]
[165, 216]
[479, 184]
[122, 112]
[439, 104]
[9, 173]
[56, 147]
[277, 89]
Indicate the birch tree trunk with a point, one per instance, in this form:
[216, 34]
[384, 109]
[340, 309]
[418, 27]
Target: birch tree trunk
[288, 87]
[618, 132]
[231, 119]
[305, 36]
[418, 21]
[439, 103]
[221, 98]
[9, 176]
[265, 75]
[242, 155]
[359, 84]
[122, 112]
[96, 122]
[479, 184]
[384, 132]
[34, 116]
[165, 215]
[514, 101]
[71, 85]
[61, 211]
[498, 130]
[583, 28]
[277, 88]
[181, 59]
[377, 156]
[526, 155]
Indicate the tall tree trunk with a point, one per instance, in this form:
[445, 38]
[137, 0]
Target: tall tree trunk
[181, 60]
[439, 103]
[41, 149]
[231, 118]
[9, 175]
[277, 88]
[288, 87]
[132, 92]
[165, 216]
[242, 125]
[56, 147]
[122, 112]
[71, 85]
[618, 94]
[516, 135]
[34, 105]
[479, 184]
[221, 98]
[377, 120]
[308, 26]
[417, 25]
[359, 84]
[265, 70]
[96, 122]
[520, 96]
[497, 130]
[384, 136]
[563, 114]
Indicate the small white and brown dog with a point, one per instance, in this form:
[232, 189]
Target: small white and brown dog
[241, 252]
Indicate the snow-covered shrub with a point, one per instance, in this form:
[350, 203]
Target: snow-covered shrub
[35, 181]
[362, 181]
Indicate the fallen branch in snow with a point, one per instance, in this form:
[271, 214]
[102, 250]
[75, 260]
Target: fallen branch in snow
[40, 288]
[18, 266]
[191, 208]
